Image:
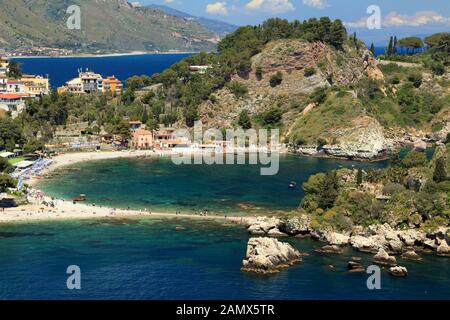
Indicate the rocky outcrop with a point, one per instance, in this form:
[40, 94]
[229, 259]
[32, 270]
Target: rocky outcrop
[354, 266]
[268, 255]
[330, 249]
[263, 225]
[411, 255]
[412, 237]
[420, 145]
[398, 271]
[366, 244]
[443, 249]
[295, 226]
[364, 140]
[383, 258]
[371, 239]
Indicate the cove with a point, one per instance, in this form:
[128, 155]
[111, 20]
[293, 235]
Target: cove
[159, 185]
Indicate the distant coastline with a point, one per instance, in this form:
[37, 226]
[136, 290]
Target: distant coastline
[106, 55]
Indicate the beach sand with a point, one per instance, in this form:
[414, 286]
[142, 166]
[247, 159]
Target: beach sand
[44, 208]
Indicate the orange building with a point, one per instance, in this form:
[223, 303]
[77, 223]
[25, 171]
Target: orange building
[113, 85]
[142, 139]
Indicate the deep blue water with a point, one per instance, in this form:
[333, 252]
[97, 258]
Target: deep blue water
[179, 259]
[60, 70]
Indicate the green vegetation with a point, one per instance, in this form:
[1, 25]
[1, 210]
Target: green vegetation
[276, 79]
[309, 72]
[6, 182]
[411, 197]
[237, 88]
[244, 120]
[15, 70]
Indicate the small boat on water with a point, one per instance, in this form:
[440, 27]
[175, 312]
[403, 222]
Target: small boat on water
[81, 198]
[293, 185]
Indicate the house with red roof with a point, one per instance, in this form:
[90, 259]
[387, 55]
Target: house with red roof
[13, 102]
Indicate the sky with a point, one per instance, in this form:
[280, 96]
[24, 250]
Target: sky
[397, 17]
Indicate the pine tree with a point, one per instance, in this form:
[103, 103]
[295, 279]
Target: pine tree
[390, 47]
[359, 177]
[394, 49]
[329, 191]
[440, 173]
[396, 160]
[372, 49]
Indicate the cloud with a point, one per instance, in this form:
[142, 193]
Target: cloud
[319, 4]
[270, 6]
[217, 8]
[421, 18]
[169, 1]
[394, 19]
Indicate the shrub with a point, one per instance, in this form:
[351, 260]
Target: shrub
[309, 72]
[438, 68]
[237, 88]
[6, 182]
[415, 78]
[394, 80]
[244, 120]
[271, 117]
[415, 159]
[319, 96]
[321, 143]
[276, 79]
[259, 73]
[440, 173]
[393, 188]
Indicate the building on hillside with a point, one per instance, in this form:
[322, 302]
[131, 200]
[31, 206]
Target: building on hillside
[135, 125]
[36, 85]
[113, 85]
[72, 86]
[3, 84]
[4, 67]
[13, 103]
[15, 86]
[142, 139]
[91, 82]
[199, 69]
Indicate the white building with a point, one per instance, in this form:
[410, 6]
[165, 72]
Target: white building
[87, 82]
[13, 103]
[15, 86]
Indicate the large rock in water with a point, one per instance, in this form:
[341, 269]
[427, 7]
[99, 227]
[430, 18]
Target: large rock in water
[398, 271]
[268, 255]
[383, 258]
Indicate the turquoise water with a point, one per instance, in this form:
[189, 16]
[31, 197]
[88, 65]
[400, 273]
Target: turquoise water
[186, 259]
[156, 259]
[159, 185]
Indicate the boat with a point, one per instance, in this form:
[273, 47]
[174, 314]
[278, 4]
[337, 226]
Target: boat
[81, 198]
[293, 185]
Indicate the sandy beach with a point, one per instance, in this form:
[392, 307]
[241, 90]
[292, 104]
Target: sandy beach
[42, 207]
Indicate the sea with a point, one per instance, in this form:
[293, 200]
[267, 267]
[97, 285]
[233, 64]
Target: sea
[189, 259]
[62, 69]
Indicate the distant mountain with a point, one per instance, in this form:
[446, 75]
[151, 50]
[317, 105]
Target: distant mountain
[106, 26]
[219, 27]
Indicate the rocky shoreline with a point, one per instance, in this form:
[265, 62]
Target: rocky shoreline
[381, 240]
